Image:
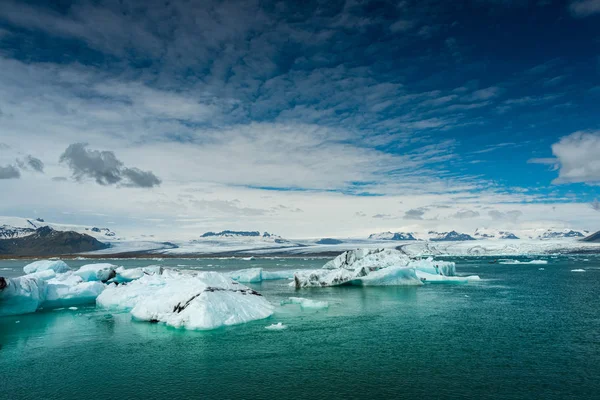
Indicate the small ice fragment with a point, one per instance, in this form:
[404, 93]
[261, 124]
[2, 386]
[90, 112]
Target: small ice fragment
[541, 269]
[73, 308]
[578, 270]
[17, 322]
[306, 303]
[276, 327]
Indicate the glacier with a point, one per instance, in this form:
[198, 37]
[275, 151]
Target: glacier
[379, 267]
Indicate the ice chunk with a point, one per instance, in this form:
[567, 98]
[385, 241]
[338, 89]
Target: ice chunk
[533, 262]
[276, 327]
[202, 300]
[45, 289]
[249, 275]
[445, 268]
[435, 278]
[306, 303]
[57, 266]
[70, 289]
[21, 295]
[97, 272]
[127, 275]
[368, 258]
[578, 270]
[255, 275]
[391, 276]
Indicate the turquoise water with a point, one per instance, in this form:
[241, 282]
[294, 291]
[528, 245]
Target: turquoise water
[519, 333]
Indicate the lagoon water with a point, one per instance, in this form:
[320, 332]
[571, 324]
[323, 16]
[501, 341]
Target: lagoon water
[521, 332]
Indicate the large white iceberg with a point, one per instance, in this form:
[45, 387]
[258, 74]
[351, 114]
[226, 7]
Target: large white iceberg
[202, 300]
[379, 267]
[57, 266]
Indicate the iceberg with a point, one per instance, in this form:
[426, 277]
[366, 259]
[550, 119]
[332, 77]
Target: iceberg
[306, 303]
[199, 301]
[256, 275]
[57, 266]
[97, 272]
[69, 289]
[532, 262]
[379, 267]
[45, 289]
[123, 275]
[276, 327]
[21, 295]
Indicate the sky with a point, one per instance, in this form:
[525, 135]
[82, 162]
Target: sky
[306, 119]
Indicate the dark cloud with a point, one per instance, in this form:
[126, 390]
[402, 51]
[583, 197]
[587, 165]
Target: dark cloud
[105, 168]
[139, 178]
[59, 179]
[415, 213]
[595, 205]
[383, 216]
[32, 163]
[9, 172]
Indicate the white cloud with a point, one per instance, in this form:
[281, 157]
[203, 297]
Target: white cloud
[584, 8]
[577, 155]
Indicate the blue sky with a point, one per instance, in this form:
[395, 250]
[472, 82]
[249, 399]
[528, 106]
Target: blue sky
[359, 115]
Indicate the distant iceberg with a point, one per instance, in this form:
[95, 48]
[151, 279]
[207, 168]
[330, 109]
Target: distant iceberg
[379, 267]
[534, 262]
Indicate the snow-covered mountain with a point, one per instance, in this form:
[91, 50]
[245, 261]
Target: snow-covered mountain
[451, 236]
[593, 238]
[12, 232]
[553, 233]
[392, 236]
[14, 227]
[485, 233]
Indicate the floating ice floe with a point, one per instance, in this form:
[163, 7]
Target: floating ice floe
[102, 272]
[532, 262]
[255, 275]
[379, 267]
[57, 266]
[46, 289]
[306, 303]
[276, 327]
[578, 270]
[202, 300]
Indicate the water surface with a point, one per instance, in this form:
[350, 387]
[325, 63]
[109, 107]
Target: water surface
[521, 332]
